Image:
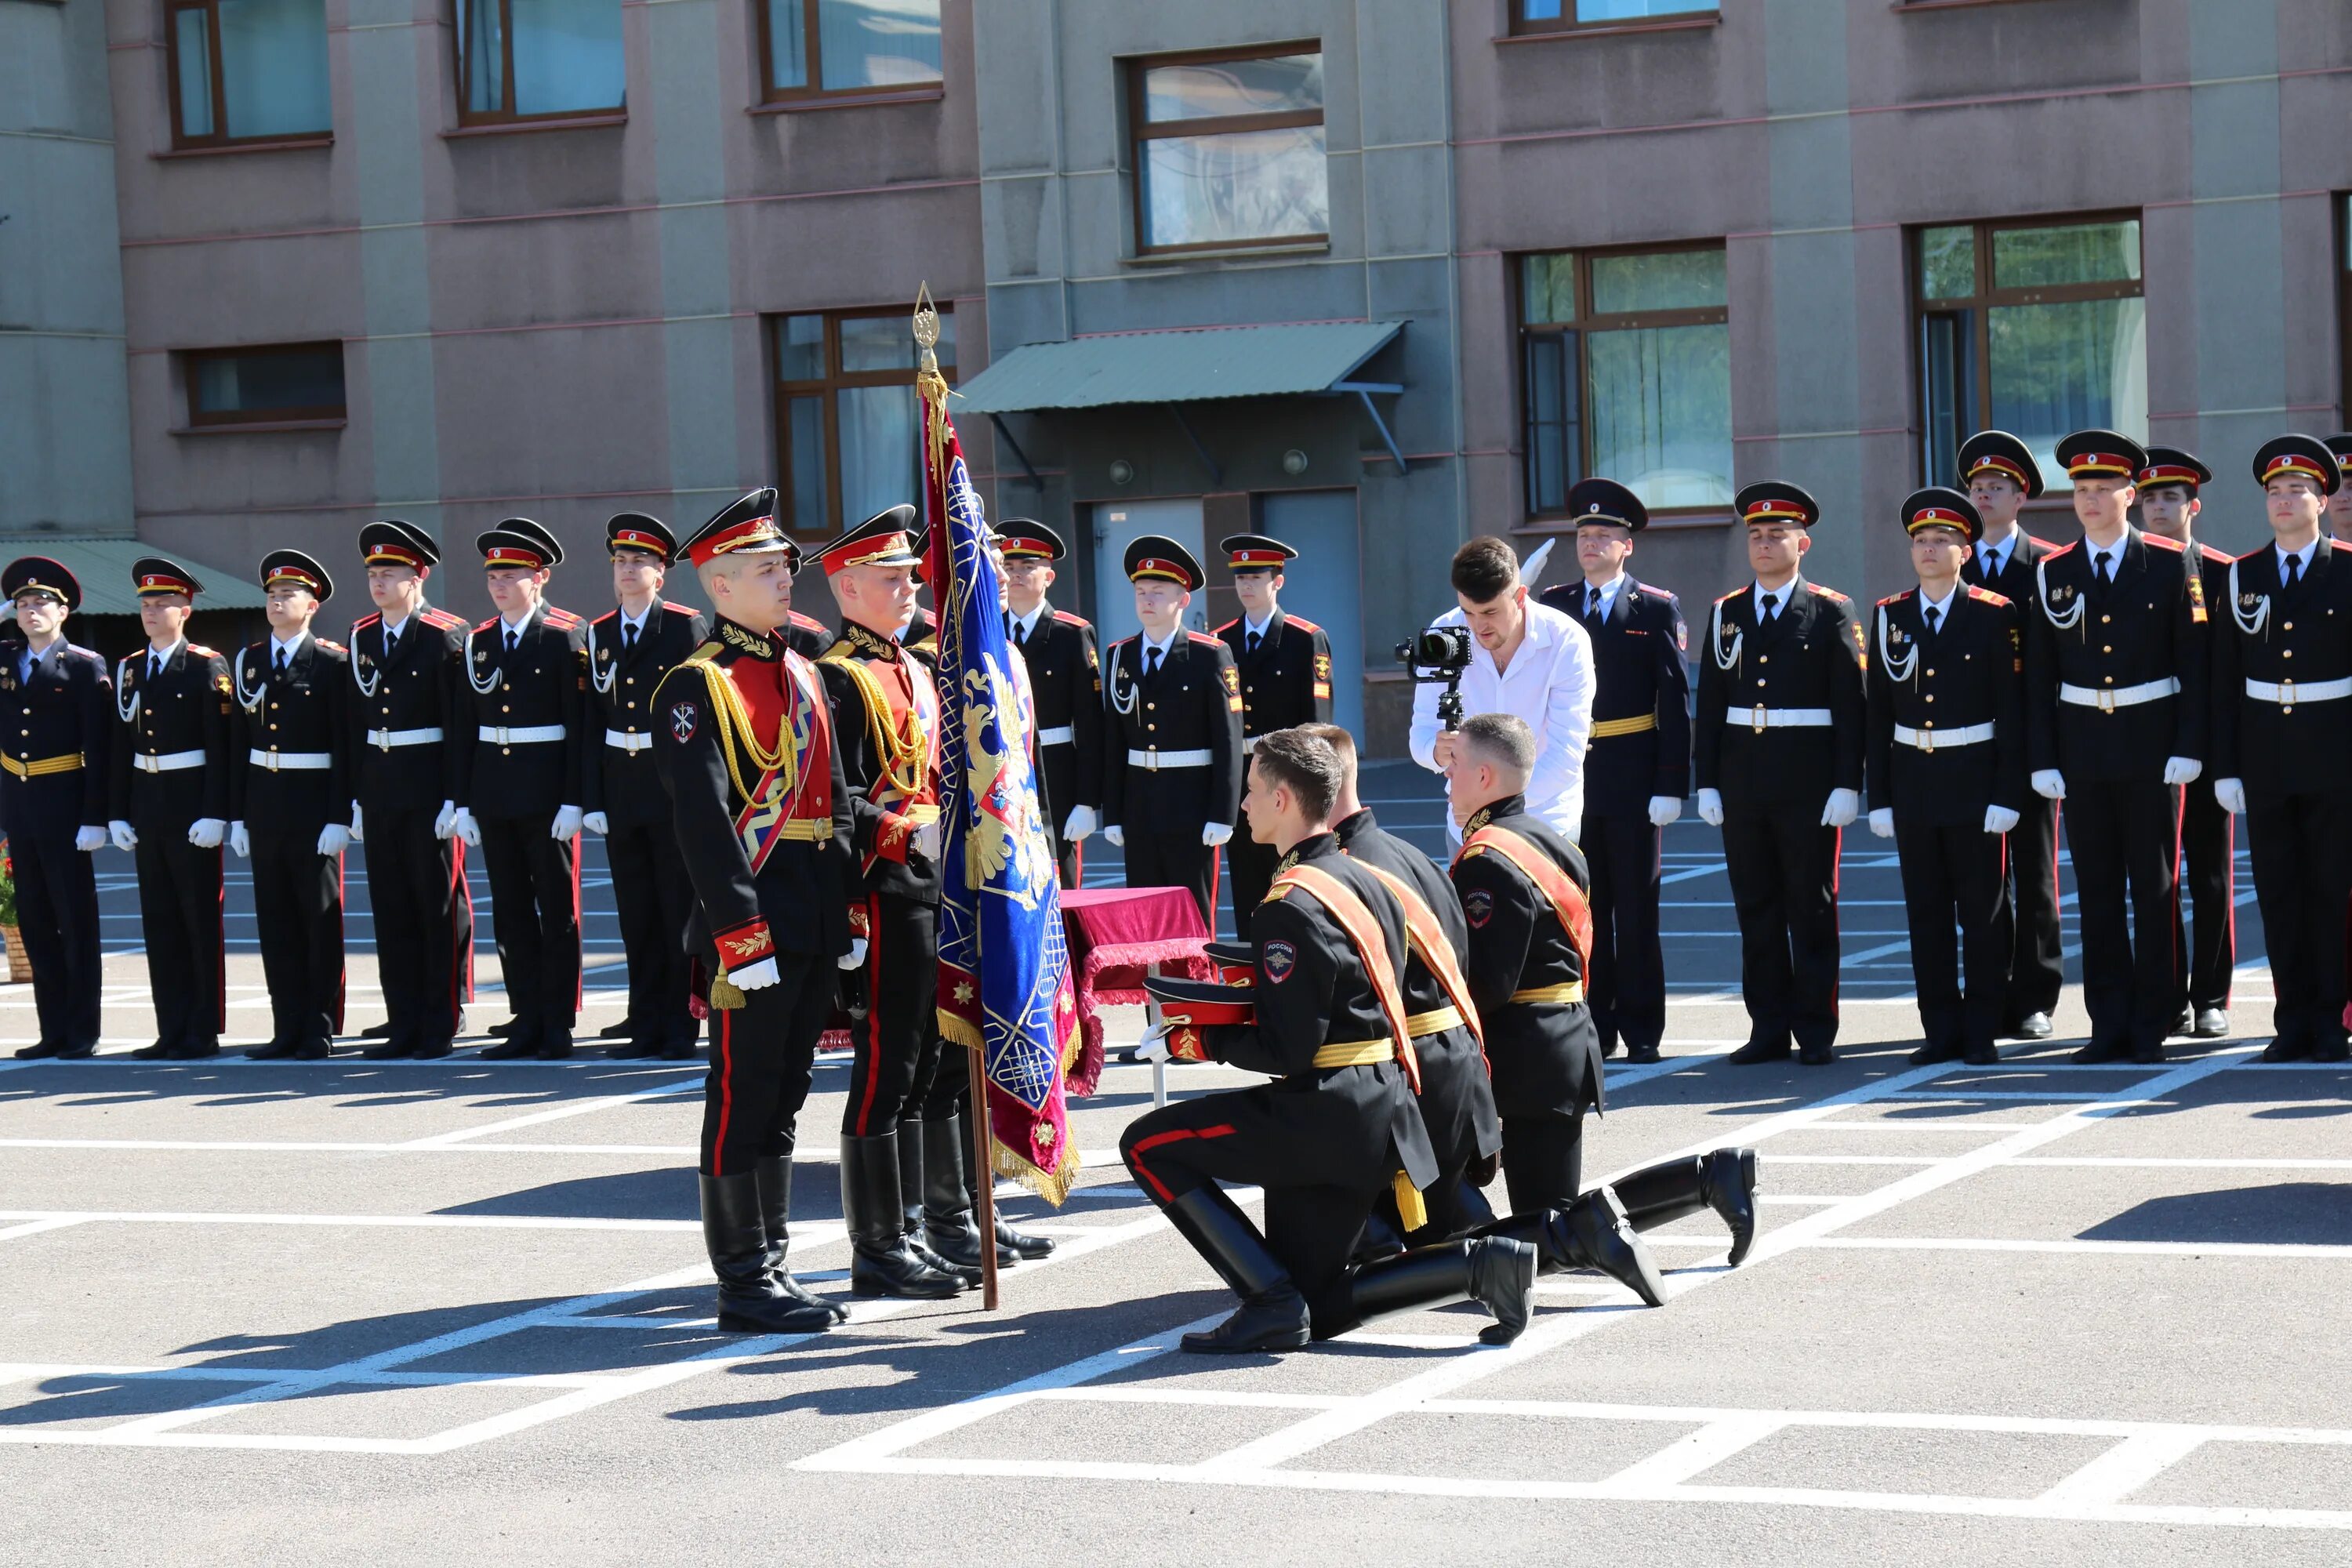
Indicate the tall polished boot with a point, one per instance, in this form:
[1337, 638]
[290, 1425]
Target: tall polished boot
[1273, 1314]
[950, 1229]
[1019, 1243]
[736, 1238]
[880, 1262]
[1495, 1271]
[1723, 1180]
[774, 1174]
[914, 1143]
[1591, 1233]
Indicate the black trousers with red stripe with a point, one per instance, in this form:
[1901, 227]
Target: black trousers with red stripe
[760, 1059]
[1955, 876]
[2208, 953]
[535, 915]
[180, 923]
[423, 919]
[895, 1051]
[1175, 860]
[298, 904]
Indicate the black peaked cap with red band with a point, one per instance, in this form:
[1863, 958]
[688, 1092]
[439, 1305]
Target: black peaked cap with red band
[39, 575]
[2299, 455]
[1027, 538]
[2101, 454]
[1999, 452]
[1256, 551]
[153, 574]
[2173, 466]
[886, 539]
[641, 532]
[744, 526]
[1777, 501]
[392, 542]
[518, 541]
[1201, 1002]
[1159, 557]
[293, 566]
[1939, 507]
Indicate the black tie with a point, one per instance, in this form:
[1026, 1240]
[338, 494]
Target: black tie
[1991, 567]
[1934, 615]
[1592, 604]
[2294, 568]
[1249, 648]
[1021, 634]
[282, 662]
[1151, 661]
[2105, 569]
[513, 636]
[628, 638]
[155, 664]
[1771, 609]
[391, 644]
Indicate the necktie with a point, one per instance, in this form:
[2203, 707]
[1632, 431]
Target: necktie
[1251, 647]
[1592, 604]
[391, 644]
[513, 636]
[2294, 569]
[1992, 564]
[1934, 615]
[1151, 661]
[628, 638]
[1019, 634]
[282, 662]
[2106, 567]
[1771, 609]
[155, 664]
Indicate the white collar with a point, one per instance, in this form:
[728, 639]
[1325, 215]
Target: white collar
[2113, 554]
[1992, 557]
[1608, 590]
[1028, 623]
[167, 655]
[1258, 628]
[289, 648]
[638, 622]
[1161, 648]
[507, 628]
[394, 629]
[1943, 606]
[1786, 593]
[2302, 558]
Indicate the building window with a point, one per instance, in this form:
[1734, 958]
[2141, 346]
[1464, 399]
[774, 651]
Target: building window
[2036, 328]
[538, 59]
[847, 427]
[1625, 365]
[266, 386]
[2344, 308]
[816, 48]
[1229, 149]
[247, 70]
[1565, 15]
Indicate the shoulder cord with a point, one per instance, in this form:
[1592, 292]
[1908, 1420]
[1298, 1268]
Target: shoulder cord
[735, 728]
[603, 683]
[128, 710]
[905, 753]
[2074, 617]
[481, 688]
[2253, 626]
[1122, 706]
[250, 704]
[1724, 660]
[1898, 670]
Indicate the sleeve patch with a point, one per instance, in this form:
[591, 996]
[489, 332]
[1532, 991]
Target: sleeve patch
[1276, 959]
[1479, 906]
[1232, 677]
[684, 717]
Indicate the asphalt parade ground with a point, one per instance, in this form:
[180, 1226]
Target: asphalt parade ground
[401, 1312]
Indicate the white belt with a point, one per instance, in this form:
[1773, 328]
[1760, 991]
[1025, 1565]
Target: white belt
[1155, 758]
[385, 740]
[1762, 718]
[291, 761]
[2286, 693]
[520, 734]
[1059, 735]
[2107, 700]
[166, 762]
[620, 742]
[1937, 740]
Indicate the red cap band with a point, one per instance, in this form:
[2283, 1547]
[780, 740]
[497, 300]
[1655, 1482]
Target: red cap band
[864, 551]
[1151, 566]
[1999, 466]
[511, 555]
[2099, 463]
[635, 539]
[1771, 510]
[1259, 557]
[2293, 463]
[393, 555]
[1937, 516]
[2168, 474]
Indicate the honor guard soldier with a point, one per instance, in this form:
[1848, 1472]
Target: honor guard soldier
[2340, 504]
[1066, 674]
[2000, 475]
[1946, 767]
[409, 714]
[1778, 763]
[1637, 769]
[2168, 504]
[1285, 671]
[290, 794]
[53, 799]
[760, 813]
[1173, 739]
[2283, 750]
[629, 649]
[527, 680]
[2116, 716]
[170, 808]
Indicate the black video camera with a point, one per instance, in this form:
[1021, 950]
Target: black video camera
[1435, 654]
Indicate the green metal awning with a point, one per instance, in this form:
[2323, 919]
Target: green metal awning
[103, 567]
[1185, 365]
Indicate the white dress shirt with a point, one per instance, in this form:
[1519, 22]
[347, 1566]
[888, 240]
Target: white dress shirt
[1027, 624]
[1991, 558]
[392, 629]
[1608, 594]
[1146, 647]
[1942, 607]
[279, 648]
[2302, 559]
[2111, 554]
[1549, 684]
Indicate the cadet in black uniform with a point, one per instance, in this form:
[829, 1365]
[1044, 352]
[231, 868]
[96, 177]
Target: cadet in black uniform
[2168, 506]
[2282, 747]
[1173, 739]
[1778, 760]
[1637, 768]
[2116, 711]
[171, 810]
[2000, 475]
[290, 794]
[1066, 677]
[2339, 505]
[1947, 766]
[629, 649]
[407, 705]
[527, 675]
[53, 789]
[1286, 672]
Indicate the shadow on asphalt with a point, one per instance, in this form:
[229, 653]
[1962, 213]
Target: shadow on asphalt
[2316, 1213]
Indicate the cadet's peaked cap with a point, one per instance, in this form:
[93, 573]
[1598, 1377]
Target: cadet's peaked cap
[2101, 454]
[1161, 558]
[2172, 465]
[886, 539]
[518, 541]
[392, 542]
[1938, 507]
[291, 567]
[1776, 500]
[1999, 452]
[637, 532]
[151, 574]
[1236, 961]
[39, 575]
[1200, 1002]
[2341, 443]
[744, 526]
[1606, 501]
[1256, 552]
[1025, 539]
[2299, 455]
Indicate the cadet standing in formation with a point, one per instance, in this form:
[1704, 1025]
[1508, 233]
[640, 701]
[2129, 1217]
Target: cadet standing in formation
[1286, 675]
[170, 809]
[630, 648]
[1066, 677]
[1173, 737]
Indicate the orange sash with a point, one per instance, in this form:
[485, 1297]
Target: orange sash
[1568, 900]
[1370, 946]
[1428, 939]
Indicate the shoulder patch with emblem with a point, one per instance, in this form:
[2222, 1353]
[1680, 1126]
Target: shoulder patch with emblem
[684, 717]
[1277, 958]
[1479, 906]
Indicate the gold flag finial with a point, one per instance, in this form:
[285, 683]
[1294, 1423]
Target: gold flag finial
[927, 329]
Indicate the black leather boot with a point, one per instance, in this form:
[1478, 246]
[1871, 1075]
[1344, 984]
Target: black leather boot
[774, 1174]
[951, 1231]
[734, 1235]
[1018, 1244]
[1495, 1271]
[880, 1262]
[1591, 1233]
[1723, 1180]
[913, 1141]
[1273, 1314]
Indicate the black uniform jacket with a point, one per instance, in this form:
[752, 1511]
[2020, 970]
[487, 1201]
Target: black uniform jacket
[419, 687]
[1545, 1056]
[1809, 658]
[1288, 680]
[184, 708]
[542, 684]
[2149, 626]
[1193, 704]
[2272, 636]
[878, 833]
[2014, 581]
[1066, 676]
[1349, 1126]
[807, 638]
[303, 712]
[1638, 671]
[802, 890]
[1970, 672]
[63, 708]
[621, 783]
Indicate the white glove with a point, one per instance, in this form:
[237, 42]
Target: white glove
[1153, 1047]
[1710, 807]
[2181, 770]
[1664, 808]
[89, 840]
[1843, 805]
[334, 838]
[1212, 834]
[855, 957]
[206, 832]
[238, 841]
[1080, 824]
[356, 835]
[120, 832]
[444, 819]
[566, 823]
[1999, 819]
[754, 977]
[467, 830]
[1115, 835]
[1882, 822]
[2050, 783]
[2231, 796]
[925, 842]
[597, 823]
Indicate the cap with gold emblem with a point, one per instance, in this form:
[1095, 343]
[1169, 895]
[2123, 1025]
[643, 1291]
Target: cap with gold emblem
[392, 542]
[39, 575]
[518, 541]
[2101, 454]
[1605, 500]
[1256, 551]
[886, 539]
[1025, 539]
[1777, 501]
[744, 526]
[1938, 506]
[1999, 452]
[153, 576]
[635, 533]
[2172, 465]
[1158, 557]
[291, 568]
[2291, 455]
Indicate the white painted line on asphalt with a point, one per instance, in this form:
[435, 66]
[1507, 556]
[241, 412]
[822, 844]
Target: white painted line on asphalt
[2124, 1468]
[1848, 1159]
[36, 1227]
[560, 1112]
[2313, 1249]
[2182, 1162]
[2026, 1094]
[396, 1221]
[1701, 1450]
